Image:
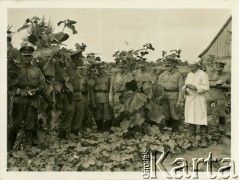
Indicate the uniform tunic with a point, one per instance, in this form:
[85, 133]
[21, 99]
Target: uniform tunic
[25, 107]
[172, 83]
[75, 107]
[145, 81]
[101, 97]
[116, 90]
[217, 93]
[195, 105]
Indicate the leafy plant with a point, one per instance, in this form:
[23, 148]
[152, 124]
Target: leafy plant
[68, 23]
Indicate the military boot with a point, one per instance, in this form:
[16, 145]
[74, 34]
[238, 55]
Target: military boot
[99, 124]
[107, 125]
[62, 134]
[74, 134]
[168, 125]
[175, 125]
[31, 135]
[222, 120]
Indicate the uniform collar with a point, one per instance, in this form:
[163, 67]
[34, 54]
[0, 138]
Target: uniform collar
[171, 73]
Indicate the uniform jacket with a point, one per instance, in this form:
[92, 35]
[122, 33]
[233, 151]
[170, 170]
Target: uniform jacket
[172, 83]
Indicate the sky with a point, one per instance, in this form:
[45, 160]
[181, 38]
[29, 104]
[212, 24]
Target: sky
[105, 31]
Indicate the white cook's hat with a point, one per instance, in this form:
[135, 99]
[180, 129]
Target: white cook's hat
[194, 61]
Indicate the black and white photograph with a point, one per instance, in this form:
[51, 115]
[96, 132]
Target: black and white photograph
[144, 90]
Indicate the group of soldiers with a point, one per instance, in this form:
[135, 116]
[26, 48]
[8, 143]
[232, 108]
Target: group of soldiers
[95, 89]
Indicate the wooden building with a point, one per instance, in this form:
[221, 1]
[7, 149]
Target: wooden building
[220, 47]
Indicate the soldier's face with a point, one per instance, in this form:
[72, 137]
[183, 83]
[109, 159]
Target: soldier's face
[102, 70]
[142, 68]
[27, 59]
[168, 67]
[93, 73]
[121, 69]
[84, 72]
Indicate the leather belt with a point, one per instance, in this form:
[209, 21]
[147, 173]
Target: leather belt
[170, 90]
[101, 91]
[28, 87]
[119, 92]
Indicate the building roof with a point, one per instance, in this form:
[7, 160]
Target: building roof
[214, 39]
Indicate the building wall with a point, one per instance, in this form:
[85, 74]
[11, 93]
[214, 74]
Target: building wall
[221, 48]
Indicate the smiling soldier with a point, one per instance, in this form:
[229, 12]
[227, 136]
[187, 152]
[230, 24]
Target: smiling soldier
[172, 82]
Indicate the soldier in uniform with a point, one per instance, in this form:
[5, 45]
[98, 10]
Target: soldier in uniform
[85, 90]
[219, 82]
[172, 81]
[101, 99]
[30, 84]
[93, 73]
[142, 75]
[117, 87]
[75, 102]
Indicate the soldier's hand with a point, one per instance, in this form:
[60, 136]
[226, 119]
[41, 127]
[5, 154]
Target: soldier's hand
[157, 101]
[179, 105]
[23, 92]
[32, 92]
[219, 82]
[67, 79]
[111, 104]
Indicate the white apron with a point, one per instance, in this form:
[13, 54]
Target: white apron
[195, 105]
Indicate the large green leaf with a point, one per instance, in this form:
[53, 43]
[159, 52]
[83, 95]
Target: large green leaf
[46, 52]
[32, 39]
[135, 102]
[148, 89]
[69, 86]
[153, 130]
[158, 92]
[125, 125]
[137, 120]
[61, 36]
[49, 68]
[156, 113]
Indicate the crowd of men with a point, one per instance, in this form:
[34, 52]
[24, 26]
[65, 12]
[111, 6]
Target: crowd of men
[94, 88]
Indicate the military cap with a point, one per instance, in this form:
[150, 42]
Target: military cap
[121, 62]
[170, 60]
[77, 53]
[195, 61]
[26, 50]
[92, 68]
[84, 67]
[97, 58]
[219, 66]
[141, 62]
[102, 65]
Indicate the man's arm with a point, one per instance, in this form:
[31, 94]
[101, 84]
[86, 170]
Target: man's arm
[111, 91]
[204, 86]
[180, 87]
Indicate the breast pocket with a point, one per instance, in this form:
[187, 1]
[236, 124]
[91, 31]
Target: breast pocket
[173, 80]
[173, 83]
[33, 78]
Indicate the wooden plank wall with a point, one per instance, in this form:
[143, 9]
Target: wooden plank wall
[222, 45]
[221, 48]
